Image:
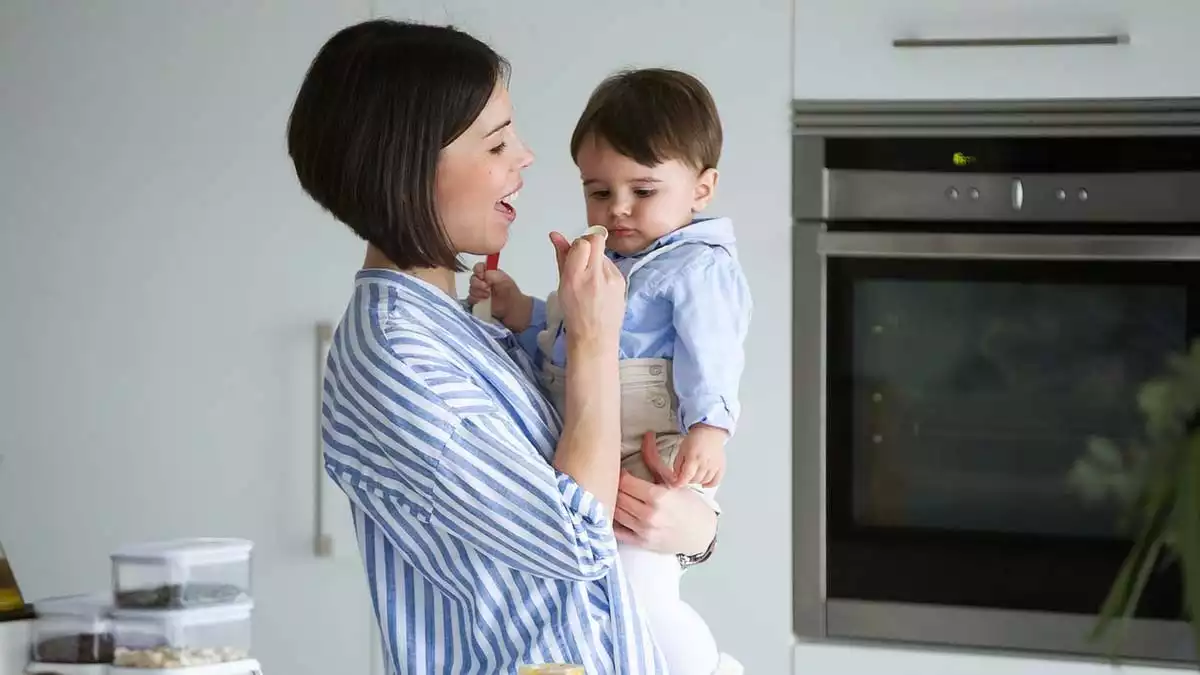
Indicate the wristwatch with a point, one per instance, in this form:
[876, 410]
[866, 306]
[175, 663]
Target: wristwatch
[687, 560]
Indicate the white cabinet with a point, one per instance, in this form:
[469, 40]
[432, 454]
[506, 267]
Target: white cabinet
[846, 49]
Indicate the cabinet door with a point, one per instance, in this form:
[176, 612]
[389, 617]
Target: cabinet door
[847, 49]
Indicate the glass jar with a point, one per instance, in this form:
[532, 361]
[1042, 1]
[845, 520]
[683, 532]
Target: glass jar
[12, 603]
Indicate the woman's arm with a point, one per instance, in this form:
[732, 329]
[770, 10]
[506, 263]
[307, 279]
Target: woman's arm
[592, 295]
[416, 443]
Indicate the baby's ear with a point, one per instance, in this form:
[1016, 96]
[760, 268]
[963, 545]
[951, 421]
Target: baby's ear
[706, 189]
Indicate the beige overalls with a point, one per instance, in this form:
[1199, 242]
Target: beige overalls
[648, 400]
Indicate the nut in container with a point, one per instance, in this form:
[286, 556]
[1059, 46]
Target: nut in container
[182, 638]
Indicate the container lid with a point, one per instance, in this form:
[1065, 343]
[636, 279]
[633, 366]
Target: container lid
[194, 616]
[90, 606]
[244, 667]
[35, 668]
[196, 551]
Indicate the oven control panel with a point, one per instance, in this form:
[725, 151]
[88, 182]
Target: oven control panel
[911, 195]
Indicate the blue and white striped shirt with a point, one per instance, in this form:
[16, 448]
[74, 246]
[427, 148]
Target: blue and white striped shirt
[480, 555]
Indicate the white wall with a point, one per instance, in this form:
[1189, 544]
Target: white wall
[559, 52]
[160, 271]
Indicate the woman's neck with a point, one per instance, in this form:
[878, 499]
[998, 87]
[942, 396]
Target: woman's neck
[441, 277]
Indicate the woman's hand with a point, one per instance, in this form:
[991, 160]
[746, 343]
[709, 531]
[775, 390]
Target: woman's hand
[660, 518]
[591, 292]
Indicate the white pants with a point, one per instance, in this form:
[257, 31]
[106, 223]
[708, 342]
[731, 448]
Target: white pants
[682, 635]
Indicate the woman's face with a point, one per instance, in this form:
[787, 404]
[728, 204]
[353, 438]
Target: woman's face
[478, 176]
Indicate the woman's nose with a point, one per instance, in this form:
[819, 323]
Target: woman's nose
[526, 157]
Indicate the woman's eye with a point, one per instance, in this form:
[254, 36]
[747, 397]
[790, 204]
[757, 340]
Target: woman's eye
[498, 149]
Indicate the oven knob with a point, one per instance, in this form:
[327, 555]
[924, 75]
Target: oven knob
[1060, 194]
[1083, 194]
[952, 193]
[974, 193]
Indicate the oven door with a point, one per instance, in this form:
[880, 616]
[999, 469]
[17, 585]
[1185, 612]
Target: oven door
[965, 375]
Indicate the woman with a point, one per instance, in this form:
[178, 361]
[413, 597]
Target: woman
[483, 520]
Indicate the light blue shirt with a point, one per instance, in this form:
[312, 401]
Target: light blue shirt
[687, 301]
[479, 555]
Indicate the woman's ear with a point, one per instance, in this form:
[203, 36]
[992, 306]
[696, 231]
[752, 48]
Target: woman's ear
[706, 189]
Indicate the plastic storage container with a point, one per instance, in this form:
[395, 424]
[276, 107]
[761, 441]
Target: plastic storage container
[181, 574]
[73, 629]
[183, 637]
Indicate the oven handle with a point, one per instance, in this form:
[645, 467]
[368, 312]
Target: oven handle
[1006, 246]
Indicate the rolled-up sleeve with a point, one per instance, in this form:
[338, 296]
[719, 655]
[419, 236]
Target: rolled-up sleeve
[492, 491]
[711, 314]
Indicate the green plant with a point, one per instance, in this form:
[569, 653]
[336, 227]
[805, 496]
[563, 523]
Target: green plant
[1157, 480]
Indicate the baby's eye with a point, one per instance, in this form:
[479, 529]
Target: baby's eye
[643, 193]
[599, 194]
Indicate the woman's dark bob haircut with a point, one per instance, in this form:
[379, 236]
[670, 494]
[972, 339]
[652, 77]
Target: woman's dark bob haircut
[380, 101]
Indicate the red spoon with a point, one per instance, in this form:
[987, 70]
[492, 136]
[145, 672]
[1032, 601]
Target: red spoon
[483, 308]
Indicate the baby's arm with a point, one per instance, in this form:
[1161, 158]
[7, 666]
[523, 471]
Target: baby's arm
[527, 337]
[711, 315]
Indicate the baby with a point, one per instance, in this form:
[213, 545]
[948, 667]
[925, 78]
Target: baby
[647, 146]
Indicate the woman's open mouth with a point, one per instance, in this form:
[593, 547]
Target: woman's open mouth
[505, 204]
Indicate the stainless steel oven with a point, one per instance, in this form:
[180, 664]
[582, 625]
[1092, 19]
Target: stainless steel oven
[988, 302]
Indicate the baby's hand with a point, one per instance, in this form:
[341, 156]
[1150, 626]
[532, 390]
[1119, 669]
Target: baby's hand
[701, 457]
[497, 285]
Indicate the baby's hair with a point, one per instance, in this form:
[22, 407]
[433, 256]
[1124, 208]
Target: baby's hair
[652, 115]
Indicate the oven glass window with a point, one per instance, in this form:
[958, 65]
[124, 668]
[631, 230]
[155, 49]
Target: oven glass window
[972, 399]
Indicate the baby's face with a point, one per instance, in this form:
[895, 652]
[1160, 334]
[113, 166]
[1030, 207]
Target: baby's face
[638, 204]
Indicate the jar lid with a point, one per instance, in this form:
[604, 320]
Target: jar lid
[194, 616]
[83, 606]
[194, 551]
